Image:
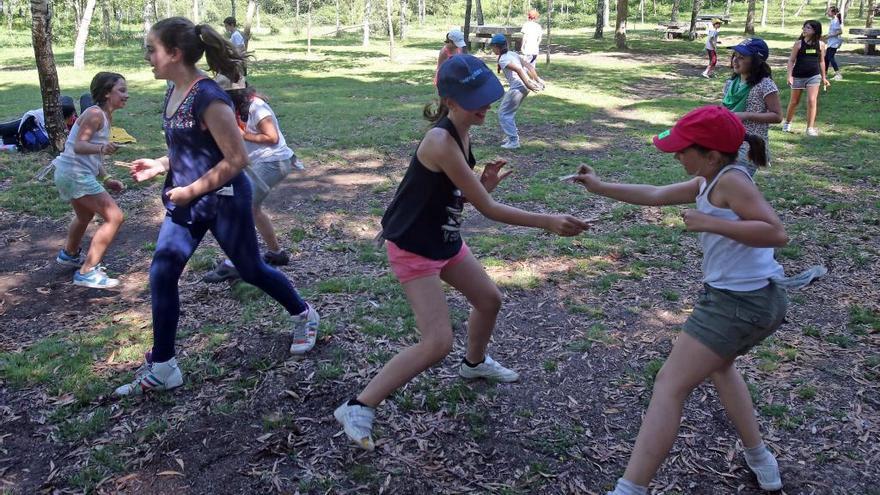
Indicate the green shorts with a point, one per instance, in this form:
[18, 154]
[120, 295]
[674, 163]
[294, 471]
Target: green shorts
[731, 322]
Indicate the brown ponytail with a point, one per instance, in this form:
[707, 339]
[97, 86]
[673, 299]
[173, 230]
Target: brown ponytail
[757, 150]
[194, 41]
[433, 115]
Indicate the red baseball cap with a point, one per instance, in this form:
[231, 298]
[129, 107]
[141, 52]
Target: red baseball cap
[712, 127]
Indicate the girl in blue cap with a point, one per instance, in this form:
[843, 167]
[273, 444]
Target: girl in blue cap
[425, 248]
[521, 78]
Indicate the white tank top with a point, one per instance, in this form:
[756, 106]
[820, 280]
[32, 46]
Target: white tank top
[728, 264]
[69, 161]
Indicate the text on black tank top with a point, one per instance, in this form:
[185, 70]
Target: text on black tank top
[807, 62]
[425, 215]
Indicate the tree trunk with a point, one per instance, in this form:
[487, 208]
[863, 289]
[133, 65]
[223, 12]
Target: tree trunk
[694, 13]
[727, 9]
[869, 21]
[105, 20]
[296, 12]
[149, 15]
[421, 12]
[509, 10]
[338, 25]
[606, 14]
[764, 14]
[620, 28]
[367, 8]
[479, 5]
[782, 13]
[41, 33]
[549, 23]
[642, 12]
[389, 12]
[600, 21]
[248, 21]
[467, 25]
[803, 4]
[309, 29]
[232, 8]
[676, 4]
[750, 18]
[861, 9]
[82, 36]
[402, 24]
[195, 18]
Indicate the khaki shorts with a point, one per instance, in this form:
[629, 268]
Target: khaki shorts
[730, 322]
[265, 176]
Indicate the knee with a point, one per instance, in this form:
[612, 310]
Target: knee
[489, 303]
[438, 347]
[668, 385]
[165, 269]
[115, 216]
[252, 271]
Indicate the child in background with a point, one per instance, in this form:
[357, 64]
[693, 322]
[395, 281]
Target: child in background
[712, 47]
[518, 72]
[806, 71]
[76, 171]
[235, 36]
[453, 45]
[739, 305]
[834, 41]
[532, 33]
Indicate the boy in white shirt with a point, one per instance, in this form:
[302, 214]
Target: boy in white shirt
[519, 74]
[234, 34]
[711, 46]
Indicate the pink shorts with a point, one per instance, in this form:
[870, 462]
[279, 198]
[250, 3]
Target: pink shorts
[409, 266]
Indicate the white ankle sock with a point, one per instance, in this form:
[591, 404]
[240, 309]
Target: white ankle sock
[757, 456]
[626, 487]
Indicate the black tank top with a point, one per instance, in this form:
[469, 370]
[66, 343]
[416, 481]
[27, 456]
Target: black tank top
[807, 62]
[425, 215]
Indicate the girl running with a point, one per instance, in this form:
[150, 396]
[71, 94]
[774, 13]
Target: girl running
[77, 172]
[739, 306]
[752, 95]
[834, 41]
[453, 46]
[271, 161]
[806, 70]
[521, 78]
[712, 47]
[425, 248]
[204, 190]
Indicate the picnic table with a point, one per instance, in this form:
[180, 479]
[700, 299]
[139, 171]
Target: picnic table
[680, 29]
[484, 34]
[869, 37]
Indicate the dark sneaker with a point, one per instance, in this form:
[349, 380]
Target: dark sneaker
[220, 273]
[280, 258]
[75, 260]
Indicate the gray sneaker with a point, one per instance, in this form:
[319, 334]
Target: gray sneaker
[358, 423]
[490, 369]
[220, 273]
[305, 331]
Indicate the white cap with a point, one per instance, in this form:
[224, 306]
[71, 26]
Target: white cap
[457, 37]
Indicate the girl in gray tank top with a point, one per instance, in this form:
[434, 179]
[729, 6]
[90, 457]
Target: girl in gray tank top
[740, 305]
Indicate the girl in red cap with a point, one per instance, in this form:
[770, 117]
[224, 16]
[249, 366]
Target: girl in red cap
[739, 305]
[425, 248]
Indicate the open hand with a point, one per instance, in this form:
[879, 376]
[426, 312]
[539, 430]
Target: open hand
[180, 196]
[145, 169]
[114, 185]
[566, 225]
[490, 178]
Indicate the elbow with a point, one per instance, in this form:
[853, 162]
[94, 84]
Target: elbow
[777, 118]
[781, 239]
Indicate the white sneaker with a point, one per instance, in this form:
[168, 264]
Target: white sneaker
[812, 131]
[510, 145]
[786, 126]
[767, 474]
[358, 423]
[305, 331]
[153, 377]
[837, 77]
[489, 368]
[705, 74]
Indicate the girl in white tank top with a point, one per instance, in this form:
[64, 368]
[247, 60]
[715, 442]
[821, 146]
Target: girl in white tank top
[81, 179]
[740, 305]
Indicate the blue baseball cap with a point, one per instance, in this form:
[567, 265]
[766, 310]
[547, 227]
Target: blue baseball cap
[498, 39]
[752, 46]
[468, 81]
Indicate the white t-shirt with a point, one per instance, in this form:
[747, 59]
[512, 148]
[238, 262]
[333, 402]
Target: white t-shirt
[711, 38]
[532, 33]
[506, 61]
[237, 39]
[262, 152]
[834, 41]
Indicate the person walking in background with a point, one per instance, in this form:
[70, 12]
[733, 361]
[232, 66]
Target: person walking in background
[532, 33]
[235, 36]
[712, 47]
[834, 41]
[806, 71]
[453, 45]
[519, 85]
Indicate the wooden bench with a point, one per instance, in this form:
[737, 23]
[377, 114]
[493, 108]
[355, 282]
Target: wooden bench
[483, 34]
[869, 37]
[681, 29]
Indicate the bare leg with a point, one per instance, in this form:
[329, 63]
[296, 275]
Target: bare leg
[103, 205]
[793, 103]
[735, 397]
[689, 363]
[264, 227]
[78, 226]
[471, 280]
[428, 303]
[812, 105]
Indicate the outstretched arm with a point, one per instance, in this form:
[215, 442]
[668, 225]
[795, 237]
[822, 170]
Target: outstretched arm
[639, 194]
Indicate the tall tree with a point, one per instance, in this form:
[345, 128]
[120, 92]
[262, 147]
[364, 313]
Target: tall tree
[390, 17]
[248, 21]
[149, 15]
[309, 27]
[620, 28]
[480, 20]
[402, 23]
[694, 13]
[105, 20]
[676, 5]
[764, 13]
[750, 18]
[869, 21]
[606, 15]
[82, 35]
[782, 13]
[600, 20]
[549, 23]
[232, 8]
[727, 9]
[368, 7]
[467, 25]
[338, 25]
[41, 34]
[195, 18]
